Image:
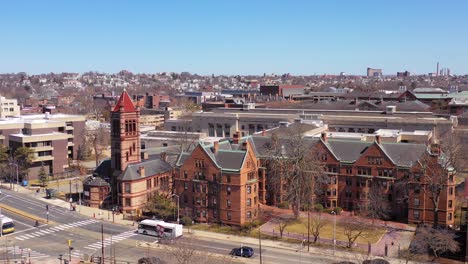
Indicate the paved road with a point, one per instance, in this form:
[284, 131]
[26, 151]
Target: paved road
[48, 241]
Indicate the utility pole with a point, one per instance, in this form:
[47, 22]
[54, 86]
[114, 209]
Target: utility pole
[102, 243]
[260, 244]
[308, 227]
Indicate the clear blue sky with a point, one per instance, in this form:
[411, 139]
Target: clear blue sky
[233, 36]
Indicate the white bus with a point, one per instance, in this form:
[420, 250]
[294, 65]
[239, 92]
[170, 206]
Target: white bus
[159, 228]
[7, 225]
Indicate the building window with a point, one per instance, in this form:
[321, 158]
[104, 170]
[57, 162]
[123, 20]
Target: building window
[215, 201]
[127, 187]
[349, 182]
[128, 202]
[348, 193]
[228, 214]
[449, 216]
[228, 203]
[417, 189]
[450, 204]
[416, 215]
[185, 185]
[185, 199]
[249, 189]
[249, 214]
[255, 200]
[185, 174]
[451, 191]
[249, 202]
[228, 178]
[349, 170]
[228, 190]
[148, 184]
[215, 214]
[416, 202]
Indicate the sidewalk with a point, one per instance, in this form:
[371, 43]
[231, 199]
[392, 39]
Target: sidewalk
[97, 213]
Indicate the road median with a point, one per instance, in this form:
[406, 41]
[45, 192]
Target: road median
[24, 214]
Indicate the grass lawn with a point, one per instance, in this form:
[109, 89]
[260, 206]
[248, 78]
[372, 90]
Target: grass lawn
[300, 227]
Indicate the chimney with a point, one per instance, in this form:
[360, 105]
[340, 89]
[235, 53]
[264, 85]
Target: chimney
[378, 139]
[244, 145]
[144, 155]
[215, 146]
[163, 156]
[141, 171]
[324, 136]
[435, 149]
[236, 137]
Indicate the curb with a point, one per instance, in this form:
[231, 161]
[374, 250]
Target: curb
[24, 214]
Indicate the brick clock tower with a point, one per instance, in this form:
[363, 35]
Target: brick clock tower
[125, 138]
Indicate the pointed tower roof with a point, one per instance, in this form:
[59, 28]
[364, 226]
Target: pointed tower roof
[125, 102]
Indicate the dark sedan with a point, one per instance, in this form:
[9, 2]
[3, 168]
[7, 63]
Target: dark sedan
[246, 252]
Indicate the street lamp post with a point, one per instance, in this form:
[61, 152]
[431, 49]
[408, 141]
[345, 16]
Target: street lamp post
[17, 178]
[178, 219]
[334, 232]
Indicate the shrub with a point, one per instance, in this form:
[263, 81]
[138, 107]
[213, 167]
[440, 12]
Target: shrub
[283, 205]
[186, 220]
[318, 208]
[338, 210]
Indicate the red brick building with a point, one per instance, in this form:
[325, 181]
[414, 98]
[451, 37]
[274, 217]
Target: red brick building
[354, 167]
[133, 181]
[219, 182]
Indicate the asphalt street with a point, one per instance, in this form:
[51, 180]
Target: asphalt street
[49, 241]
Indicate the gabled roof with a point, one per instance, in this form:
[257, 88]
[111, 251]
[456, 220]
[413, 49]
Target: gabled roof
[152, 167]
[228, 156]
[126, 102]
[348, 150]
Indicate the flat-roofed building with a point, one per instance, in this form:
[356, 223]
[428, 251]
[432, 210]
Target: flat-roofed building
[54, 139]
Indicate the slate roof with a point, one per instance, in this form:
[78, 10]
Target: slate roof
[126, 102]
[347, 151]
[103, 169]
[152, 167]
[228, 157]
[405, 154]
[95, 181]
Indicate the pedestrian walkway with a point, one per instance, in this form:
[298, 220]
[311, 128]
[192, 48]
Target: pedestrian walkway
[43, 232]
[18, 253]
[111, 240]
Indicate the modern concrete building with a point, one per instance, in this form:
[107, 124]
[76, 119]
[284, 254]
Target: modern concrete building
[9, 107]
[54, 139]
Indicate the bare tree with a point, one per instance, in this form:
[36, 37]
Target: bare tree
[378, 206]
[436, 170]
[315, 226]
[296, 168]
[99, 139]
[353, 229]
[282, 221]
[435, 241]
[186, 251]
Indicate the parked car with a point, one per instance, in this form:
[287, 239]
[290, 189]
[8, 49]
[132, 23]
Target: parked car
[246, 252]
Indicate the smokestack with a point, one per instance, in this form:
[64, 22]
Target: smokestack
[437, 71]
[378, 139]
[141, 171]
[324, 136]
[215, 146]
[163, 156]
